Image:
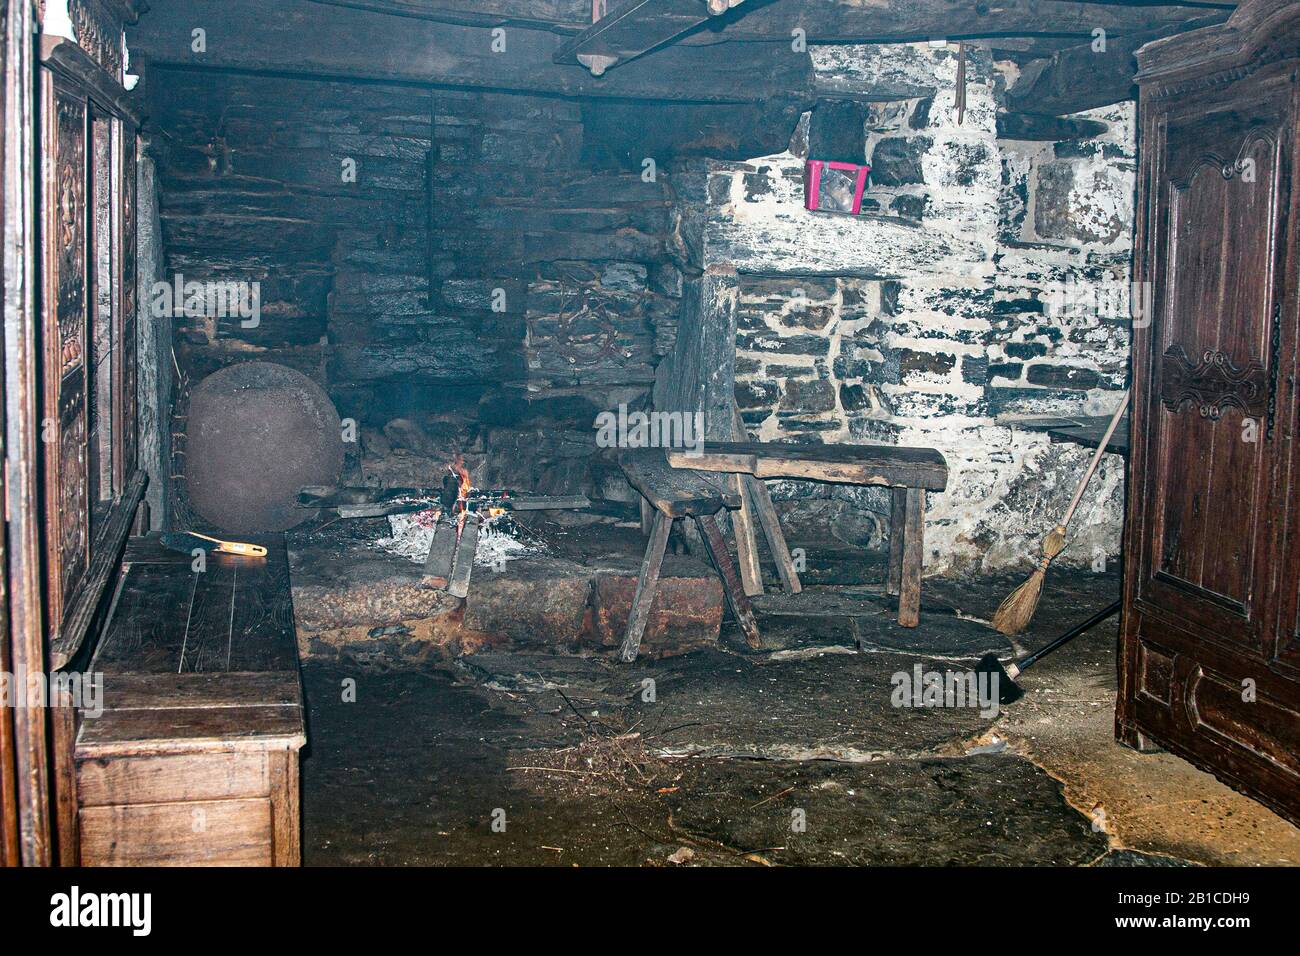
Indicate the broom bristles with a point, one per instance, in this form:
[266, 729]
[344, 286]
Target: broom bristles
[1016, 611]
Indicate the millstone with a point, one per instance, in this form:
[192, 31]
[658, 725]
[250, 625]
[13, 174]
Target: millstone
[257, 433]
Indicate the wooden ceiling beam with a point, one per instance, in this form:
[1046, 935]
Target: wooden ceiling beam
[564, 16]
[1082, 78]
[825, 21]
[852, 21]
[316, 39]
[631, 27]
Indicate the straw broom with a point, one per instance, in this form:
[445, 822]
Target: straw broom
[1015, 613]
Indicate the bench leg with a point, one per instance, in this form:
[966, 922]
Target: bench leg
[742, 523]
[647, 516]
[646, 585]
[757, 494]
[740, 606]
[897, 519]
[909, 593]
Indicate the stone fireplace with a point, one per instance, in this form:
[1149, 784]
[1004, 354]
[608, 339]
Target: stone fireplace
[482, 274]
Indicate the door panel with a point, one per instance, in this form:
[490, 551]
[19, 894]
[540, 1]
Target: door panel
[1211, 437]
[63, 426]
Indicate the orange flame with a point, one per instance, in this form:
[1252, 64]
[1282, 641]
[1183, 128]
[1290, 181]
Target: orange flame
[457, 468]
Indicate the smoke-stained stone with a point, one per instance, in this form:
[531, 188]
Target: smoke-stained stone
[1008, 370]
[1025, 350]
[806, 396]
[1062, 376]
[896, 161]
[854, 397]
[770, 342]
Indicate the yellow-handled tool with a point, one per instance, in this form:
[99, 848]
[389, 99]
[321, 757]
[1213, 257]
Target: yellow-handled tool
[187, 541]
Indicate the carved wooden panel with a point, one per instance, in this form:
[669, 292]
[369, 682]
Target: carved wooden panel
[64, 418]
[1216, 331]
[70, 225]
[99, 32]
[1211, 385]
[87, 341]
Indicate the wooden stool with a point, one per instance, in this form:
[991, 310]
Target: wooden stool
[908, 472]
[679, 493]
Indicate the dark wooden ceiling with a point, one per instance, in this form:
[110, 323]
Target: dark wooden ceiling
[673, 50]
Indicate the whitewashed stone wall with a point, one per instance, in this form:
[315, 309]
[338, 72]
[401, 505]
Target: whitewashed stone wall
[923, 321]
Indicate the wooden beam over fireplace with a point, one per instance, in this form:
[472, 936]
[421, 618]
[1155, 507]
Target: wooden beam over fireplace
[318, 39]
[852, 21]
[824, 21]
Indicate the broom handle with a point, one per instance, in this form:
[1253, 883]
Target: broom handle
[1096, 459]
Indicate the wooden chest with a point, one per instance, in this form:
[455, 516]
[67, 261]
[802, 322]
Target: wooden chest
[194, 758]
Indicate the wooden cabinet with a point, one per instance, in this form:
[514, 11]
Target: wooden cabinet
[193, 757]
[1210, 660]
[88, 332]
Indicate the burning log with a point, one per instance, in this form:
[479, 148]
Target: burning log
[457, 516]
[465, 549]
[442, 553]
[537, 502]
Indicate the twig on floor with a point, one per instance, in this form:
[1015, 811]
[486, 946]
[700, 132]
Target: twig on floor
[585, 773]
[714, 844]
[773, 797]
[583, 717]
[693, 723]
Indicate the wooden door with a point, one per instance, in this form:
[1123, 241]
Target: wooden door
[1212, 506]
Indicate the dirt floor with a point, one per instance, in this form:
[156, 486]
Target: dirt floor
[795, 754]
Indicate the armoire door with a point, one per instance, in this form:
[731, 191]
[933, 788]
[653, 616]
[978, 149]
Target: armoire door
[1214, 427]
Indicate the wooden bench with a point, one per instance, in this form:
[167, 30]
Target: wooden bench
[908, 472]
[194, 760]
[673, 494]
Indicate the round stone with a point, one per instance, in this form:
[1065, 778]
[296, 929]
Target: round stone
[257, 434]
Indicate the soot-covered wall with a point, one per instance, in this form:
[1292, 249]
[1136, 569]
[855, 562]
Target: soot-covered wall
[445, 263]
[986, 278]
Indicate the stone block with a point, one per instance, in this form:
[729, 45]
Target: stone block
[896, 160]
[1062, 376]
[805, 396]
[534, 601]
[686, 613]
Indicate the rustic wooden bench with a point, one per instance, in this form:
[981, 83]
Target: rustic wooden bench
[194, 759]
[673, 493]
[908, 472]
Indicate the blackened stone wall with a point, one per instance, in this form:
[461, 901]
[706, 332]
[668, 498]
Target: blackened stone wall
[444, 263]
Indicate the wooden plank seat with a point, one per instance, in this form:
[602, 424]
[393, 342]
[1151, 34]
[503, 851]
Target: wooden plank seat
[909, 472]
[194, 759]
[848, 464]
[675, 493]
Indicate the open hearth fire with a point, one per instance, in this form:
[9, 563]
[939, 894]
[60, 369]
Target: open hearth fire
[449, 529]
